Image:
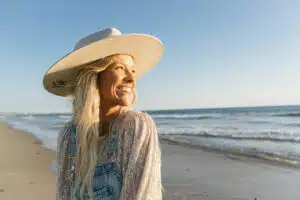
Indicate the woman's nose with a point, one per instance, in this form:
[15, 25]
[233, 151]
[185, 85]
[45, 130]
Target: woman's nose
[130, 76]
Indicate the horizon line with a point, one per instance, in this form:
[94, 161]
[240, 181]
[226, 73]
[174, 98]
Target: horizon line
[167, 109]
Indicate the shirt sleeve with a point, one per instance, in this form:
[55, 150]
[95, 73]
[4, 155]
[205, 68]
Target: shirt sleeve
[142, 171]
[63, 162]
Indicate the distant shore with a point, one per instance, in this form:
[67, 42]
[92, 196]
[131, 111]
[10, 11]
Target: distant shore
[187, 173]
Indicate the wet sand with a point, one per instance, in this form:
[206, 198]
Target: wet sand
[199, 175]
[186, 173]
[24, 167]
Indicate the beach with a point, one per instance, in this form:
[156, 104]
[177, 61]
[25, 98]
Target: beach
[195, 174]
[24, 167]
[187, 173]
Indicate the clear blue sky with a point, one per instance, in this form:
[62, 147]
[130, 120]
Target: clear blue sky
[217, 53]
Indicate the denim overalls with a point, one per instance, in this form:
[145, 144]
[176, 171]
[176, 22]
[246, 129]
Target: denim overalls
[107, 182]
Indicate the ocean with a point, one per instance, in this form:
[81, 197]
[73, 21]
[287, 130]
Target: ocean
[271, 133]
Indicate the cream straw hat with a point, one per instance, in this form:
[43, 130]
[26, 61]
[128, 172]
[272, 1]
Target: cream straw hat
[146, 51]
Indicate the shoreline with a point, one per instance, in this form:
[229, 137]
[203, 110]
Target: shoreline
[195, 174]
[25, 167]
[235, 155]
[187, 173]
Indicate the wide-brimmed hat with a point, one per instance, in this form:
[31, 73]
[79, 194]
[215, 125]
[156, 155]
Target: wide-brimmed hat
[146, 51]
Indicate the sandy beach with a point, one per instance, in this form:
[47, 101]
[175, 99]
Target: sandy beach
[199, 175]
[187, 173]
[24, 167]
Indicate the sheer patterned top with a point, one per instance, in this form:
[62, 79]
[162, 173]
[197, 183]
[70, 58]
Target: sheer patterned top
[129, 161]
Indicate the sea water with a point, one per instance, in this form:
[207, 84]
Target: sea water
[272, 132]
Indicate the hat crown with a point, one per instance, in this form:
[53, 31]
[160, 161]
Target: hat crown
[94, 37]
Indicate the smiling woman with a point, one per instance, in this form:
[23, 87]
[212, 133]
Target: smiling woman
[117, 82]
[110, 151]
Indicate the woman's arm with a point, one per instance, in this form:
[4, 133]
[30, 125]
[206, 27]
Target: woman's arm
[142, 172]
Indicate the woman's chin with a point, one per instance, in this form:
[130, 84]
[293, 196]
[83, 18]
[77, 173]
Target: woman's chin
[126, 102]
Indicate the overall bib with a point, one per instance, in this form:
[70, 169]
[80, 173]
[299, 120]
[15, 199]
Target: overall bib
[107, 182]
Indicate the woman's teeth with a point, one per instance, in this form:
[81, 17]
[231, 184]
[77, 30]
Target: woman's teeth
[125, 89]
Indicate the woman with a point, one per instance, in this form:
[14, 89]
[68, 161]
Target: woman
[107, 151]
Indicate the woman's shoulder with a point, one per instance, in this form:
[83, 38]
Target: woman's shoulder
[137, 126]
[138, 116]
[136, 120]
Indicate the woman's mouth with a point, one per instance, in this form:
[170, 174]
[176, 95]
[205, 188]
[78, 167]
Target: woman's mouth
[124, 89]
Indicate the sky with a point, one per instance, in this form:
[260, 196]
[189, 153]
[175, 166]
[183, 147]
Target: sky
[216, 53]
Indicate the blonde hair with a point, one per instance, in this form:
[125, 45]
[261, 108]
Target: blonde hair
[86, 116]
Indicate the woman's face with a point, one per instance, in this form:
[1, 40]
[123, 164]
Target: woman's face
[117, 82]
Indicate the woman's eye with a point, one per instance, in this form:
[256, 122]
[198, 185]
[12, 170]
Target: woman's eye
[119, 67]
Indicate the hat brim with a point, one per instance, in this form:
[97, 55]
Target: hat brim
[146, 51]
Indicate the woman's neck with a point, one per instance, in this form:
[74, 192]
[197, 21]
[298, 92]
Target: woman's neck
[108, 114]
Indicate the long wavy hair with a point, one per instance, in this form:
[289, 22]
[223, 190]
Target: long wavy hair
[86, 116]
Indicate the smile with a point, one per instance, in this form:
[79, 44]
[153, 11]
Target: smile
[125, 89]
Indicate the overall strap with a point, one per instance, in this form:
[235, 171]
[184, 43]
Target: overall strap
[73, 156]
[73, 136]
